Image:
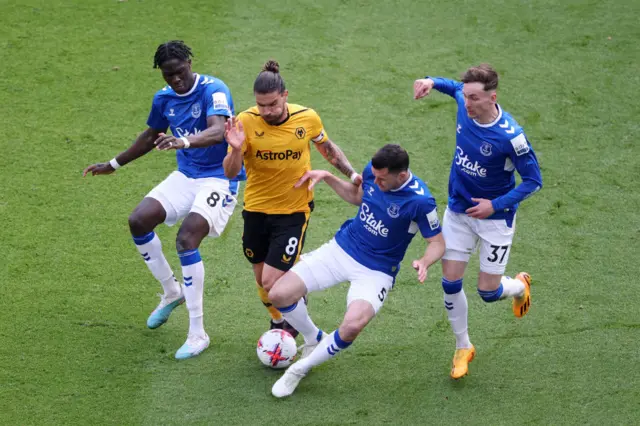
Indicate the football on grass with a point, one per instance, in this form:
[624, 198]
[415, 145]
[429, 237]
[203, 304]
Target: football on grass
[277, 349]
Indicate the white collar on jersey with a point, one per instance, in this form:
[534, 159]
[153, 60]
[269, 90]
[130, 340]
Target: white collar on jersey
[494, 122]
[195, 84]
[404, 184]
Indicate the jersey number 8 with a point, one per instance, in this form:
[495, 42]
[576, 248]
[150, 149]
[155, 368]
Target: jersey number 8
[292, 247]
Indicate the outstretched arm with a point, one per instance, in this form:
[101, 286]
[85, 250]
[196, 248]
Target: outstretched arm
[346, 190]
[433, 253]
[213, 134]
[142, 145]
[334, 155]
[422, 87]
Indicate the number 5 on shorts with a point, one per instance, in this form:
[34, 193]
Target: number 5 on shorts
[382, 294]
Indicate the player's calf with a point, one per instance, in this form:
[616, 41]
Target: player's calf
[490, 288]
[191, 233]
[358, 315]
[491, 295]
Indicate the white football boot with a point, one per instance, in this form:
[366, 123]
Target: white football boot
[288, 382]
[193, 346]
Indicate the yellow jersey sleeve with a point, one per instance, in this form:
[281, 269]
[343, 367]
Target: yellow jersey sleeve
[318, 135]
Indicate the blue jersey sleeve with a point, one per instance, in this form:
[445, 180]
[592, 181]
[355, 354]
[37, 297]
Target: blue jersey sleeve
[526, 163]
[218, 101]
[426, 216]
[366, 172]
[156, 119]
[446, 86]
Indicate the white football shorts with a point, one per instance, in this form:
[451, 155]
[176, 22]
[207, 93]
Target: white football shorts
[463, 234]
[210, 197]
[329, 265]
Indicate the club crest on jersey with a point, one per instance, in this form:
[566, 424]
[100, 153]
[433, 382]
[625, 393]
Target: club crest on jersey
[485, 149]
[393, 210]
[301, 132]
[171, 113]
[370, 190]
[196, 111]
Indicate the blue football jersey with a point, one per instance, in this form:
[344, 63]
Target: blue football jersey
[379, 235]
[485, 159]
[186, 115]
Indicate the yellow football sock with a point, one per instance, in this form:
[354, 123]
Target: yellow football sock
[264, 296]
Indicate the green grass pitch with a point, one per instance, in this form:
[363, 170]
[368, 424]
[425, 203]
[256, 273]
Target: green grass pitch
[76, 84]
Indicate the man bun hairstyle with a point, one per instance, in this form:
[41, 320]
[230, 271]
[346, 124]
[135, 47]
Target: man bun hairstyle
[392, 157]
[271, 66]
[483, 73]
[174, 49]
[269, 80]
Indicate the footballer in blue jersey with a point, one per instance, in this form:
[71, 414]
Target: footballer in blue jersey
[393, 206]
[483, 199]
[195, 107]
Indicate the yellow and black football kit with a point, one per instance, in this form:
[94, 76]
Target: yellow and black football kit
[275, 157]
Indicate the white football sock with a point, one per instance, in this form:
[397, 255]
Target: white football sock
[457, 311]
[150, 248]
[298, 317]
[326, 349]
[193, 288]
[511, 287]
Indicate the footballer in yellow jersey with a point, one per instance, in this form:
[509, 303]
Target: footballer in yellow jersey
[276, 157]
[273, 140]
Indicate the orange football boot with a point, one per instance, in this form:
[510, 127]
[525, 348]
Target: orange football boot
[461, 360]
[521, 304]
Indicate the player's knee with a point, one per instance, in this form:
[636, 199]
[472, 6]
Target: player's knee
[453, 270]
[282, 298]
[138, 225]
[286, 292]
[451, 287]
[491, 295]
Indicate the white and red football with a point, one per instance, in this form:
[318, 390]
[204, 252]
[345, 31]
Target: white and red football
[277, 349]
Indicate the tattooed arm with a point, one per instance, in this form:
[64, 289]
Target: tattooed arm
[336, 157]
